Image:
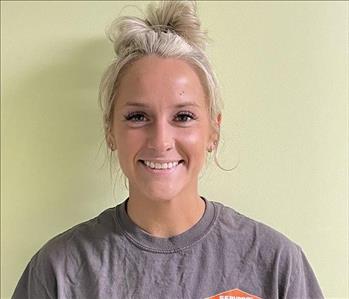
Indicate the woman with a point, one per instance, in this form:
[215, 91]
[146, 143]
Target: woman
[162, 116]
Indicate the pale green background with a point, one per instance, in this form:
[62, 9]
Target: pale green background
[283, 67]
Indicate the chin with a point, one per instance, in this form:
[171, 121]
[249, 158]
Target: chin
[161, 194]
[162, 197]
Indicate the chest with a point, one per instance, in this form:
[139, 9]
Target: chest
[200, 272]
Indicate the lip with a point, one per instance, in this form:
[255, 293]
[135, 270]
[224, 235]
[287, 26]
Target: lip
[161, 171]
[161, 160]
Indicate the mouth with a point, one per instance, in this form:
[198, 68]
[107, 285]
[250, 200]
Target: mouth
[161, 166]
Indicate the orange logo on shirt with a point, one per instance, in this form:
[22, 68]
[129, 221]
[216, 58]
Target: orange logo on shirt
[234, 294]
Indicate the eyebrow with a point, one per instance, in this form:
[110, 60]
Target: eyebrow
[144, 105]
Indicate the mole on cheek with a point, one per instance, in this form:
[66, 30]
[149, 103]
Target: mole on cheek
[181, 93]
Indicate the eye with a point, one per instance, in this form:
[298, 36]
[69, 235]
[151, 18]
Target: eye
[136, 117]
[185, 116]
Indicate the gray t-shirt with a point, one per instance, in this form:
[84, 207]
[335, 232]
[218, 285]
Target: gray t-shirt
[110, 257]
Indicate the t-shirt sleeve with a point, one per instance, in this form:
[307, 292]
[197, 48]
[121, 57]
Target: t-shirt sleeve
[31, 286]
[303, 283]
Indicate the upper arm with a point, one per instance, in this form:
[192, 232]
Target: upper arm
[37, 281]
[303, 283]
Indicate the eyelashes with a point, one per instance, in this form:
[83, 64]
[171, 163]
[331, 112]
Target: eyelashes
[139, 116]
[185, 116]
[135, 116]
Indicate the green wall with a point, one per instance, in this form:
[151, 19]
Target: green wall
[283, 67]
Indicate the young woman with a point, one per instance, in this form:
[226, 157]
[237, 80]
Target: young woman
[162, 117]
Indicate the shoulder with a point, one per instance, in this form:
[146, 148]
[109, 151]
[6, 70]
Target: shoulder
[63, 259]
[259, 250]
[250, 228]
[268, 244]
[79, 240]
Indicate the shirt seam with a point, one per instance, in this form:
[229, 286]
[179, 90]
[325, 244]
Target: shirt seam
[176, 250]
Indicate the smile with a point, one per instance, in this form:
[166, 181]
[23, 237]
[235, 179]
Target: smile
[158, 165]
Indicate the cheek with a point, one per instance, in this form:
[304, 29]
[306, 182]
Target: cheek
[127, 139]
[195, 140]
[128, 143]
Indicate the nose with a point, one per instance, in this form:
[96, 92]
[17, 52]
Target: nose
[160, 138]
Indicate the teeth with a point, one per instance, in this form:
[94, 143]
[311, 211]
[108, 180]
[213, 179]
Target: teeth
[157, 165]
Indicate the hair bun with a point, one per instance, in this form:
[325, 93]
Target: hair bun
[124, 31]
[179, 17]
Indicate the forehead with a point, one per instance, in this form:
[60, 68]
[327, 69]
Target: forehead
[160, 81]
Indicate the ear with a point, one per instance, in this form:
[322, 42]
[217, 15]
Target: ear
[111, 143]
[219, 120]
[214, 138]
[217, 127]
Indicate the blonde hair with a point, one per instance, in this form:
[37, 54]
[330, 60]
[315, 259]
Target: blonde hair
[169, 29]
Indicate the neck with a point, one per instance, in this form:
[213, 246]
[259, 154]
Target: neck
[165, 218]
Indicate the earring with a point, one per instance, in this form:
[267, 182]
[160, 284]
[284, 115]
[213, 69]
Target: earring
[212, 147]
[111, 147]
